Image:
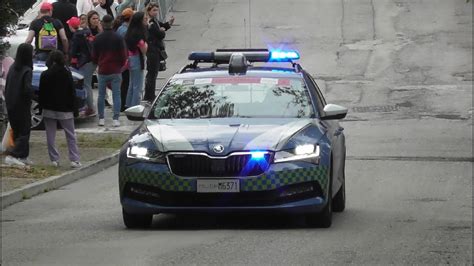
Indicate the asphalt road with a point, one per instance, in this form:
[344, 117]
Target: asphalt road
[404, 70]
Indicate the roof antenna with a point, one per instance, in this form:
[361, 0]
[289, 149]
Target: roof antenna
[245, 34]
[250, 27]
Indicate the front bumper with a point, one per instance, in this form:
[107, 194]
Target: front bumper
[303, 206]
[295, 187]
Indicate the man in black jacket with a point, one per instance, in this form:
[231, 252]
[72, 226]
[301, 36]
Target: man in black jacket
[64, 10]
[156, 49]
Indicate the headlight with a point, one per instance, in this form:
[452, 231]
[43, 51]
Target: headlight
[145, 154]
[142, 147]
[307, 152]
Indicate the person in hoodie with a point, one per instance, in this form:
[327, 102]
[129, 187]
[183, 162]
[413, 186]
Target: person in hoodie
[109, 52]
[18, 95]
[56, 96]
[106, 7]
[81, 48]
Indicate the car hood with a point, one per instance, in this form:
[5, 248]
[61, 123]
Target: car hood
[233, 134]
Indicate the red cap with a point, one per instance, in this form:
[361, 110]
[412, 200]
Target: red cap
[46, 6]
[74, 22]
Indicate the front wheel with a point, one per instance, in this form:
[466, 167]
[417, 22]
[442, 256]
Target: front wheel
[36, 116]
[136, 220]
[339, 201]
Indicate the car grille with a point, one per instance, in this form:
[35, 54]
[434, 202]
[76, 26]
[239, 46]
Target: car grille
[201, 165]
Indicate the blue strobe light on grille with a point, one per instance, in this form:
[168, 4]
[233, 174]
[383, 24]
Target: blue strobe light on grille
[281, 55]
[258, 155]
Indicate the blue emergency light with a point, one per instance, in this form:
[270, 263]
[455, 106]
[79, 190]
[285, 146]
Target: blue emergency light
[281, 55]
[258, 155]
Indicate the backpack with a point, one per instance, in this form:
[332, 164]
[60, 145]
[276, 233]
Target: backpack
[48, 36]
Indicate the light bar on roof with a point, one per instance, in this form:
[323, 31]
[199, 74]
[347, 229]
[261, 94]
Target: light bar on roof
[282, 55]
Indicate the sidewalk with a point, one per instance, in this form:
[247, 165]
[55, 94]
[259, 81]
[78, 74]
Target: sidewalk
[97, 150]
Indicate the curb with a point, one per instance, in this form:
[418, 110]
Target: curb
[54, 182]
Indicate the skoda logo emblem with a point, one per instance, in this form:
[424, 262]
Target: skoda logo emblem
[218, 148]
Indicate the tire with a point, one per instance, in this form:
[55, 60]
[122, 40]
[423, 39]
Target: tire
[133, 221]
[339, 201]
[322, 219]
[36, 116]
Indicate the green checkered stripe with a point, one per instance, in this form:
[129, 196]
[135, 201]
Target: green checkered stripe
[274, 180]
[163, 180]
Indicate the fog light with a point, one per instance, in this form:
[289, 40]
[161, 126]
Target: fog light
[297, 190]
[144, 192]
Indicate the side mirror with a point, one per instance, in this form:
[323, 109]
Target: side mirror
[135, 113]
[333, 111]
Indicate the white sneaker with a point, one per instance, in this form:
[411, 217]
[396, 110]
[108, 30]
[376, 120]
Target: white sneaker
[101, 122]
[55, 163]
[116, 123]
[10, 160]
[76, 164]
[27, 161]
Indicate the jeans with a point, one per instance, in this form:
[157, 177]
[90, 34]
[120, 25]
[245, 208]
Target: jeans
[115, 80]
[87, 71]
[124, 88]
[68, 126]
[135, 88]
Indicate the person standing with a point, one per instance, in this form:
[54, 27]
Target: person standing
[18, 95]
[93, 20]
[109, 52]
[81, 46]
[127, 14]
[156, 49]
[56, 96]
[136, 43]
[64, 10]
[48, 32]
[106, 7]
[84, 6]
[84, 24]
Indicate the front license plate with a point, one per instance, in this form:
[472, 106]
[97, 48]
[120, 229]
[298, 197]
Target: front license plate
[217, 185]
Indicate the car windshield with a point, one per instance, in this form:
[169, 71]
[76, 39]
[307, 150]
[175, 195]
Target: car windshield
[233, 97]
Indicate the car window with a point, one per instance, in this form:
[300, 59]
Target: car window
[318, 91]
[234, 97]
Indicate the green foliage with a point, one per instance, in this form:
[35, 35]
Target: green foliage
[11, 11]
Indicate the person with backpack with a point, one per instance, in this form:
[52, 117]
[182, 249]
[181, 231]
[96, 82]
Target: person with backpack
[18, 96]
[81, 48]
[56, 96]
[48, 32]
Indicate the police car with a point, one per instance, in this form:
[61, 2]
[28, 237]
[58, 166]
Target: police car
[236, 130]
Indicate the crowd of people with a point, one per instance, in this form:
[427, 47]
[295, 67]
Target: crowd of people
[118, 39]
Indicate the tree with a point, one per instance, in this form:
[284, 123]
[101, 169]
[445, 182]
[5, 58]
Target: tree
[11, 11]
